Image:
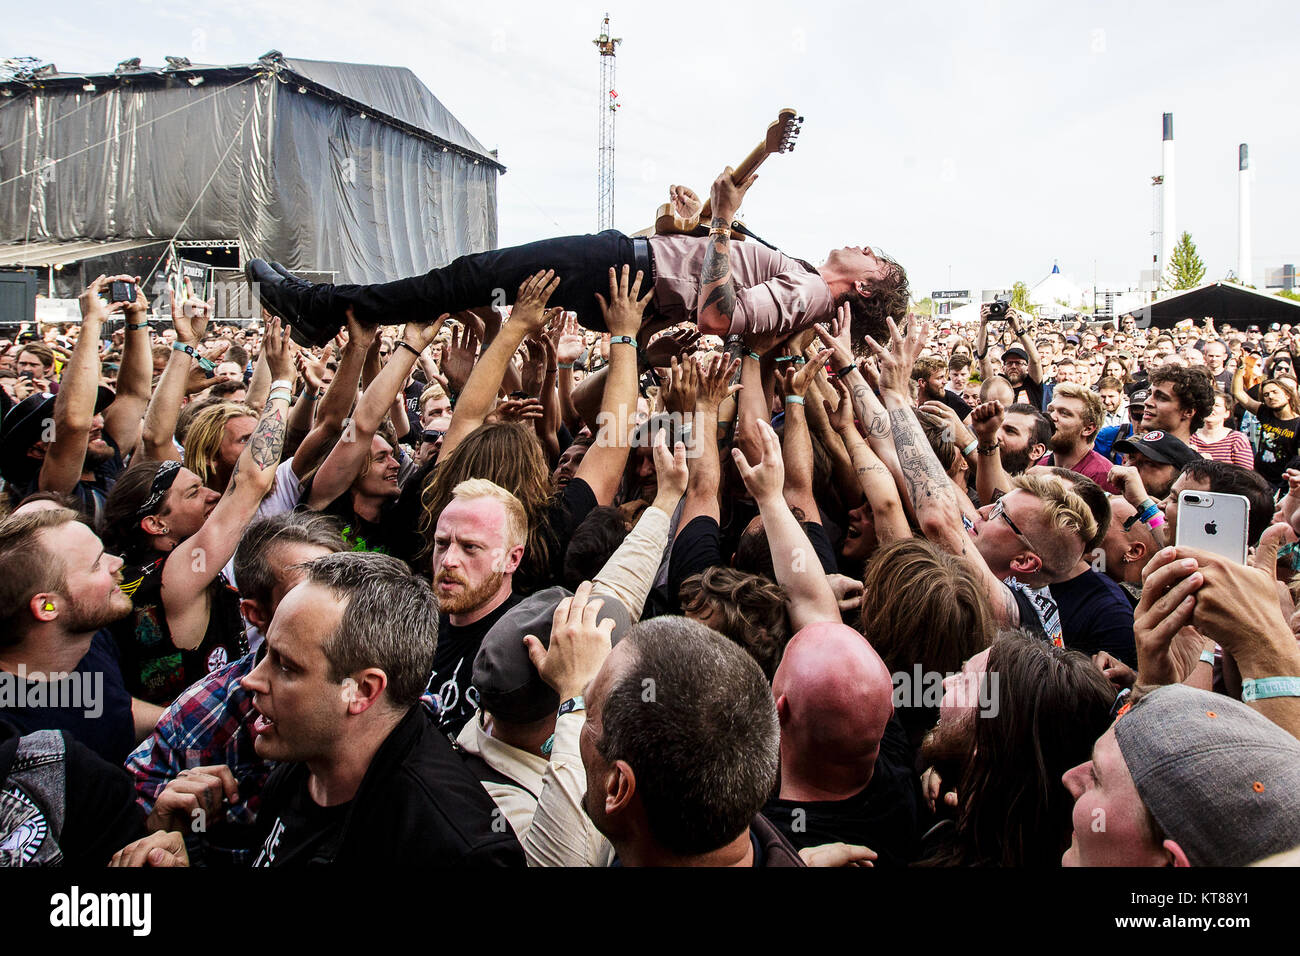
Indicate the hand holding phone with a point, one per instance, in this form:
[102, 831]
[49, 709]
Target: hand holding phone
[1213, 522]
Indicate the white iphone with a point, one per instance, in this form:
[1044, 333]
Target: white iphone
[1213, 522]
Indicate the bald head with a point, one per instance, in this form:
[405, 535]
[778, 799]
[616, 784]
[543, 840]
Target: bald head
[834, 696]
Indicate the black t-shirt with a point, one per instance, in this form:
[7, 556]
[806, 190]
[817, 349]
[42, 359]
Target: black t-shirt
[154, 668]
[882, 816]
[453, 667]
[1278, 443]
[411, 399]
[300, 830]
[91, 703]
[89, 495]
[1028, 391]
[698, 547]
[1095, 616]
[100, 815]
[956, 403]
[361, 534]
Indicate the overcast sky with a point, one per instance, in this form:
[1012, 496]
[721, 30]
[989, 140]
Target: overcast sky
[975, 142]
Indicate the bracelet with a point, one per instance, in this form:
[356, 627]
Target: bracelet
[841, 372]
[1207, 657]
[720, 231]
[281, 383]
[570, 705]
[796, 359]
[754, 355]
[310, 396]
[284, 393]
[794, 399]
[1155, 521]
[965, 452]
[142, 325]
[1262, 688]
[410, 348]
[564, 365]
[987, 450]
[192, 352]
[622, 340]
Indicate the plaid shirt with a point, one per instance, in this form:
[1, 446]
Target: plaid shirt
[208, 725]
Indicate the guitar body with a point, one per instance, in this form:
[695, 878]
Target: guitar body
[779, 139]
[668, 223]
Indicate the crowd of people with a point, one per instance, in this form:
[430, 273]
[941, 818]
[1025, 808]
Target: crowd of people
[753, 579]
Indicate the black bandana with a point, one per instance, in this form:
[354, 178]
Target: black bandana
[162, 483]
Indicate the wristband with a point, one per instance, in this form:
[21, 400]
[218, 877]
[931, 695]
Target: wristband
[142, 325]
[1262, 688]
[1207, 657]
[987, 450]
[755, 356]
[192, 352]
[796, 359]
[841, 372]
[794, 399]
[1155, 521]
[572, 704]
[622, 340]
[310, 396]
[720, 231]
[564, 365]
[965, 452]
[410, 348]
[280, 393]
[282, 383]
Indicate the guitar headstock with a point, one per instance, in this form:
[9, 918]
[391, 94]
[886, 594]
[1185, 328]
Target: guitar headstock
[781, 134]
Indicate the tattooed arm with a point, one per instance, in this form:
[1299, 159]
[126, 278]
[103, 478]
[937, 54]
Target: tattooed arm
[924, 479]
[717, 291]
[196, 561]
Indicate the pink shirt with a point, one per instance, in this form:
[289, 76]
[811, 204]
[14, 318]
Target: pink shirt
[1091, 465]
[1234, 449]
[773, 291]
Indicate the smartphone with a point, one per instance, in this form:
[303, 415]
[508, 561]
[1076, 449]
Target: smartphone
[121, 292]
[1213, 522]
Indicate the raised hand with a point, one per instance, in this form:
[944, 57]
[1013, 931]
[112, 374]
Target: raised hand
[459, 356]
[579, 644]
[681, 387]
[670, 467]
[841, 416]
[713, 381]
[663, 349]
[765, 479]
[516, 410]
[279, 349]
[623, 310]
[986, 421]
[569, 345]
[685, 202]
[895, 363]
[797, 378]
[190, 316]
[530, 305]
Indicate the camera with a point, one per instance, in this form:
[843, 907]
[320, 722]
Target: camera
[998, 308]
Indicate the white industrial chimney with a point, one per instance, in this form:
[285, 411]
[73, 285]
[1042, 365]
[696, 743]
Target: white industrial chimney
[1168, 230]
[1244, 274]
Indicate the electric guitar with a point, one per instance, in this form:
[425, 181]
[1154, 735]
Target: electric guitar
[781, 134]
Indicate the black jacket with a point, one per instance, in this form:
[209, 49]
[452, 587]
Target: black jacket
[418, 804]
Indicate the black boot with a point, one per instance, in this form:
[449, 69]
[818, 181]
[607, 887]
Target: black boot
[294, 300]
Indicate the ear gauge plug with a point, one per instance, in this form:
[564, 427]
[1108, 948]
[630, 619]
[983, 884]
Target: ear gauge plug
[49, 606]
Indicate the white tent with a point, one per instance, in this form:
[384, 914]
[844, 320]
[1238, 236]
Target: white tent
[1056, 289]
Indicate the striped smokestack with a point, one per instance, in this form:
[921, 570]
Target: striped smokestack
[1244, 271]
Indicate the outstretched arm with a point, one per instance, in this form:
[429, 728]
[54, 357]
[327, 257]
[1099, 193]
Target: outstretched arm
[134, 377]
[717, 290]
[926, 482]
[809, 595]
[74, 408]
[196, 562]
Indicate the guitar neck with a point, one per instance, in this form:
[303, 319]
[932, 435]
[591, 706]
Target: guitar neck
[743, 172]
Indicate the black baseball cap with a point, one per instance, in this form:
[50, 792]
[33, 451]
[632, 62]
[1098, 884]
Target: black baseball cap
[1014, 352]
[23, 426]
[1159, 446]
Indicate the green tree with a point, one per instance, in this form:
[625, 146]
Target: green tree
[923, 306]
[1288, 294]
[1185, 269]
[1020, 298]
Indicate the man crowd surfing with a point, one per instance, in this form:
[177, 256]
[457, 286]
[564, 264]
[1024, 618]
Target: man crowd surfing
[665, 551]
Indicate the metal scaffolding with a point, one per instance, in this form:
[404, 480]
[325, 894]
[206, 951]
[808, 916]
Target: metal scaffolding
[608, 103]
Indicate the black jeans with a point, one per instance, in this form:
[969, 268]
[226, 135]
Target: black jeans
[487, 278]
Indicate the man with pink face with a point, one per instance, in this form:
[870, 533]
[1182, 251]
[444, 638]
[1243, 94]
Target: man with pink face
[1186, 778]
[477, 547]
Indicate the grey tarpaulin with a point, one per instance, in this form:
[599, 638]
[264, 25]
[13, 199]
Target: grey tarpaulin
[363, 173]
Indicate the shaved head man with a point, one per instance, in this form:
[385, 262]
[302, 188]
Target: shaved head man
[844, 757]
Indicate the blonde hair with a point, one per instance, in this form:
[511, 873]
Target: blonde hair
[1094, 412]
[433, 391]
[204, 436]
[516, 520]
[1064, 511]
